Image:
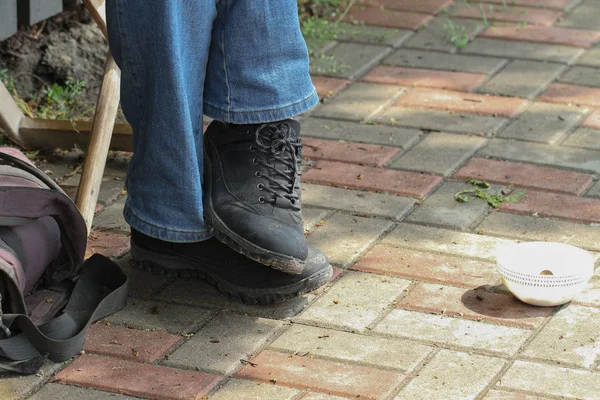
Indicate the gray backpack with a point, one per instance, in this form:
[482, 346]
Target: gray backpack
[48, 295]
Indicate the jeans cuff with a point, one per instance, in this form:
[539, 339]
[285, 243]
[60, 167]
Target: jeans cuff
[262, 116]
[164, 233]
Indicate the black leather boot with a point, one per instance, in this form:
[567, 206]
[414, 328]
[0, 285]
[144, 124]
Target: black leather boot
[252, 191]
[242, 278]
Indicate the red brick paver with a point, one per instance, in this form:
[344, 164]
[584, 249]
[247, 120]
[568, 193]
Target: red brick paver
[421, 6]
[353, 176]
[107, 244]
[427, 266]
[593, 121]
[387, 18]
[462, 102]
[128, 343]
[328, 87]
[360, 153]
[552, 35]
[571, 94]
[460, 81]
[477, 304]
[525, 175]
[556, 206]
[320, 375]
[534, 16]
[137, 379]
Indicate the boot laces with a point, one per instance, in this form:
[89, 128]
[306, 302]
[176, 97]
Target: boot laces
[279, 144]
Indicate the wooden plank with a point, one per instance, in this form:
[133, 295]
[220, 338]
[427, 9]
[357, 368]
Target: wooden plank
[33, 11]
[98, 10]
[8, 18]
[10, 115]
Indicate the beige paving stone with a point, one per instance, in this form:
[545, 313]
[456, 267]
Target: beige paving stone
[590, 57]
[349, 60]
[572, 336]
[590, 296]
[359, 101]
[582, 76]
[319, 396]
[585, 138]
[372, 35]
[552, 380]
[452, 375]
[312, 216]
[594, 191]
[435, 35]
[452, 331]
[351, 304]
[438, 240]
[236, 389]
[16, 387]
[376, 351]
[356, 201]
[57, 391]
[344, 237]
[524, 50]
[504, 395]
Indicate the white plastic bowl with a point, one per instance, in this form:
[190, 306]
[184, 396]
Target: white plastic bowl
[544, 273]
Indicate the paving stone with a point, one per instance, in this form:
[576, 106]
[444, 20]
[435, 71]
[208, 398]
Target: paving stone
[111, 218]
[556, 205]
[350, 303]
[319, 396]
[502, 395]
[570, 337]
[422, 6]
[142, 284]
[592, 121]
[557, 4]
[526, 176]
[160, 316]
[353, 60]
[533, 16]
[539, 34]
[387, 18]
[462, 102]
[446, 121]
[137, 379]
[444, 241]
[321, 375]
[446, 62]
[584, 16]
[359, 153]
[358, 202]
[551, 380]
[594, 191]
[572, 94]
[132, 344]
[524, 50]
[367, 350]
[389, 75]
[583, 76]
[591, 57]
[220, 344]
[197, 293]
[585, 138]
[544, 123]
[442, 209]
[362, 133]
[522, 79]
[236, 389]
[327, 87]
[439, 153]
[431, 267]
[359, 102]
[534, 228]
[440, 380]
[372, 35]
[16, 387]
[578, 159]
[112, 245]
[312, 216]
[353, 176]
[56, 391]
[436, 36]
[344, 237]
[590, 295]
[452, 331]
[475, 304]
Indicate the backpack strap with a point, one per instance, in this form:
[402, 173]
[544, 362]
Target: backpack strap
[101, 290]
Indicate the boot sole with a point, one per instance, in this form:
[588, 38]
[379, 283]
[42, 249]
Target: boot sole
[278, 261]
[174, 266]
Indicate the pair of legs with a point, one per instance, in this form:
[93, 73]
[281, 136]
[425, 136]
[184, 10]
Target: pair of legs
[244, 63]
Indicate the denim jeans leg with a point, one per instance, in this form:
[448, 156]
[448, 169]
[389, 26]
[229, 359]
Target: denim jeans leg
[162, 48]
[258, 69]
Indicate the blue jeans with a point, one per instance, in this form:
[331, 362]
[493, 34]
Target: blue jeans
[237, 61]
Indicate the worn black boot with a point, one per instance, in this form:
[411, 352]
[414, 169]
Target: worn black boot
[252, 191]
[240, 277]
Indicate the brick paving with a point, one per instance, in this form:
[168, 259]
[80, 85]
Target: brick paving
[416, 309]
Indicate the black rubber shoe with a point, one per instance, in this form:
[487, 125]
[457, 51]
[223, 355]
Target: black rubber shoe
[242, 278]
[252, 191]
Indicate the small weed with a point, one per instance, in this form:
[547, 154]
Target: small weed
[456, 34]
[481, 192]
[61, 101]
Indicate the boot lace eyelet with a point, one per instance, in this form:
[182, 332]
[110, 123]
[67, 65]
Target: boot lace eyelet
[252, 148]
[259, 186]
[258, 174]
[261, 199]
[255, 161]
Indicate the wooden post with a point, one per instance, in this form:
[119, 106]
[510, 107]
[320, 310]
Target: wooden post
[102, 127]
[10, 116]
